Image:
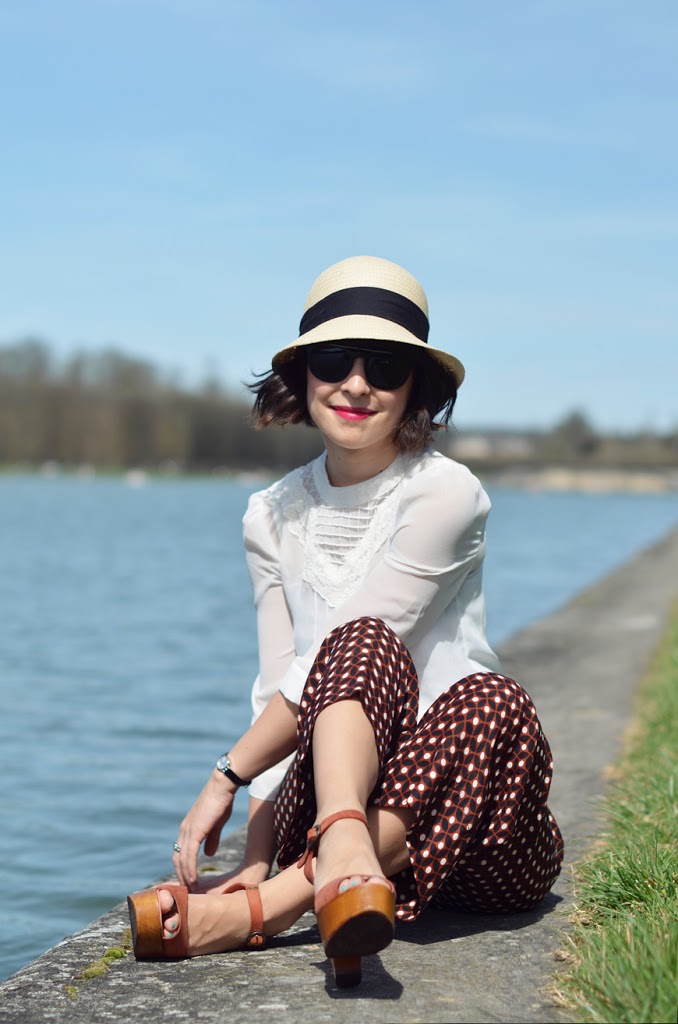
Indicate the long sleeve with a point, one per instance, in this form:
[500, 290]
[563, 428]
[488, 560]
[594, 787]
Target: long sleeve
[274, 627]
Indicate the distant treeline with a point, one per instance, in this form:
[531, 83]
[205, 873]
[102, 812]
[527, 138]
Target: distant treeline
[108, 409]
[111, 410]
[572, 442]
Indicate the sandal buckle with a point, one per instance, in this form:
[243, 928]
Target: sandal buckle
[312, 840]
[312, 837]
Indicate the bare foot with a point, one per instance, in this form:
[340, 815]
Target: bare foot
[346, 852]
[218, 923]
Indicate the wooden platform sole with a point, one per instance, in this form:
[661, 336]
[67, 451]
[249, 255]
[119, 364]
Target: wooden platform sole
[356, 923]
[145, 920]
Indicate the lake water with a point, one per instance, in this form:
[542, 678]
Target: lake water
[127, 649]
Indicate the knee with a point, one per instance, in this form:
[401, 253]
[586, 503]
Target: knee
[368, 638]
[489, 691]
[364, 660]
[477, 705]
[367, 628]
[493, 708]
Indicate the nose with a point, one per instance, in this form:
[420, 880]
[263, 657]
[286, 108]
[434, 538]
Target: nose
[356, 382]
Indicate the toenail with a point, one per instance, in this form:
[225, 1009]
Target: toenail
[354, 881]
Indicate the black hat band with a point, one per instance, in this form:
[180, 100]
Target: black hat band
[379, 302]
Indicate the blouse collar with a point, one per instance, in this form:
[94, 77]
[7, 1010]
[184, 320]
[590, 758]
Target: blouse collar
[357, 494]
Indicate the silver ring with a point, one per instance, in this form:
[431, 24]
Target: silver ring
[177, 848]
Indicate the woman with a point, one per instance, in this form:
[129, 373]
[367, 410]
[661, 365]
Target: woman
[391, 760]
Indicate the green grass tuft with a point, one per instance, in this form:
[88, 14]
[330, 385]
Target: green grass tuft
[625, 938]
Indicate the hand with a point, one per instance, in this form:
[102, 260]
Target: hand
[203, 823]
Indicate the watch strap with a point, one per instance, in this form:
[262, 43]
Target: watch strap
[230, 774]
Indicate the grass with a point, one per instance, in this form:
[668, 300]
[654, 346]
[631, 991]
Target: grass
[624, 944]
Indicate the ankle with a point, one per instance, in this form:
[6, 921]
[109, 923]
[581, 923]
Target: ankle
[331, 814]
[284, 899]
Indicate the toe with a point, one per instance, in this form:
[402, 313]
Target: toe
[170, 926]
[380, 880]
[165, 901]
[170, 917]
[353, 880]
[350, 882]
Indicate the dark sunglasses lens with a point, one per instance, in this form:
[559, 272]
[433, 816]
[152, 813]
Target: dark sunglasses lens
[387, 372]
[383, 370]
[330, 364]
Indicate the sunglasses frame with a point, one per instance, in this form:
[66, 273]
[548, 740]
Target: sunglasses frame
[368, 355]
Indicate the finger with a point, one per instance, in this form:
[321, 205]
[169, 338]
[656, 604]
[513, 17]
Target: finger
[212, 839]
[181, 858]
[176, 856]
[176, 861]
[189, 861]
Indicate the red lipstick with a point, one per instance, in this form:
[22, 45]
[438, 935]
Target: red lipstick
[347, 412]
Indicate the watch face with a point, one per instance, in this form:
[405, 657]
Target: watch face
[223, 763]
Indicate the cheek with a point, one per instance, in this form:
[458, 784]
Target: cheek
[310, 391]
[316, 391]
[400, 400]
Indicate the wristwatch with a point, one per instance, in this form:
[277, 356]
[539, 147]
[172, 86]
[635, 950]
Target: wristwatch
[224, 765]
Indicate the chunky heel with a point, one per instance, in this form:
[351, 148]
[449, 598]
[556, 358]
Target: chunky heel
[357, 922]
[347, 971]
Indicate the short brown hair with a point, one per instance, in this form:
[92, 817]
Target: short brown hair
[281, 399]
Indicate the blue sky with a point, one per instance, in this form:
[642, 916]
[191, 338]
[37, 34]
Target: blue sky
[175, 173]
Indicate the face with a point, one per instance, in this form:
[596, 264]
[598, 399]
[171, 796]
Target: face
[352, 414]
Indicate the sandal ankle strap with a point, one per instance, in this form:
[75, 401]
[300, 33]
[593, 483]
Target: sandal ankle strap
[256, 938]
[314, 835]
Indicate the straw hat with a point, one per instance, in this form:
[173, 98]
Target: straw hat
[365, 298]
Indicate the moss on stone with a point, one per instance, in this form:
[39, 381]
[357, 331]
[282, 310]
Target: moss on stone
[100, 966]
[95, 970]
[115, 953]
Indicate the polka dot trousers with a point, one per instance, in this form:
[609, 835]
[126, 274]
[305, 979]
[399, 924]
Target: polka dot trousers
[475, 771]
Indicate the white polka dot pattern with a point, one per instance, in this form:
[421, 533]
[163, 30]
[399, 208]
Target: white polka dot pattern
[476, 771]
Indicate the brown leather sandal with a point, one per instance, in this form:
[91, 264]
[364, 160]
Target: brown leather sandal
[354, 923]
[147, 927]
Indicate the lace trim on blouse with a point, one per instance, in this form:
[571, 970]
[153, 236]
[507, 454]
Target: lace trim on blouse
[339, 528]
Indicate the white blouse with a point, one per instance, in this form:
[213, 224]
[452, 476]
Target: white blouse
[406, 546]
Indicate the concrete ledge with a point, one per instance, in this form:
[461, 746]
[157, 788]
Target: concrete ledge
[581, 666]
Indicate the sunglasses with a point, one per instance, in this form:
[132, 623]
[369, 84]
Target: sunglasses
[385, 371]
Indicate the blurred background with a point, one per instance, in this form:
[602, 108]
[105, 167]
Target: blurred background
[174, 175]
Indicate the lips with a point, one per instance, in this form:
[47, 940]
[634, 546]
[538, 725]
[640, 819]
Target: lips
[347, 412]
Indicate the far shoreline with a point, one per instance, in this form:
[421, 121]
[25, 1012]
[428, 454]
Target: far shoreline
[547, 478]
[585, 480]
